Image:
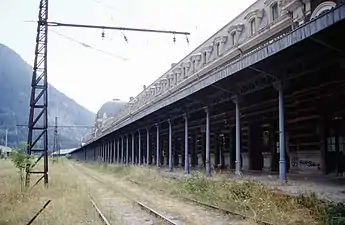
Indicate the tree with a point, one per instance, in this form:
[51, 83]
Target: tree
[21, 160]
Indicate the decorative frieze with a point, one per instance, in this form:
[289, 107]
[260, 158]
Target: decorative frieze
[235, 32]
[299, 9]
[196, 62]
[172, 79]
[226, 40]
[186, 69]
[207, 54]
[165, 84]
[219, 42]
[256, 17]
[178, 73]
[158, 88]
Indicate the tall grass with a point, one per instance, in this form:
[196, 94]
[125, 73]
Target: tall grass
[69, 205]
[251, 198]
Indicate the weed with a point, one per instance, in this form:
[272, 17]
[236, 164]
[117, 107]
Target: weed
[70, 203]
[247, 197]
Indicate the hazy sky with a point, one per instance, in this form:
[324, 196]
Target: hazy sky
[91, 77]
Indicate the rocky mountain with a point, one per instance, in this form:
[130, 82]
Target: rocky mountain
[15, 88]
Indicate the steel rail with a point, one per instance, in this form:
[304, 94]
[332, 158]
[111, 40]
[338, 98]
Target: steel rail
[99, 212]
[155, 213]
[142, 206]
[226, 211]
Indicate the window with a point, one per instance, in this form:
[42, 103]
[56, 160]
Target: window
[274, 11]
[324, 12]
[323, 8]
[252, 27]
[218, 48]
[331, 144]
[233, 36]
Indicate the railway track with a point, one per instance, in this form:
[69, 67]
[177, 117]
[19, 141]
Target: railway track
[225, 211]
[163, 218]
[101, 215]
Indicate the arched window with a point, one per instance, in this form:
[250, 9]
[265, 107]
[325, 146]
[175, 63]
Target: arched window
[323, 8]
[233, 38]
[252, 26]
[205, 57]
[218, 48]
[274, 11]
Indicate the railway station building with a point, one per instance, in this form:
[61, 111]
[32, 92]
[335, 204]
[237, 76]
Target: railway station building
[265, 93]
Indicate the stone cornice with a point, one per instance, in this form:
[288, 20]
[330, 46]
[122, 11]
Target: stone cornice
[208, 48]
[270, 2]
[237, 27]
[195, 57]
[290, 5]
[257, 13]
[174, 79]
[186, 64]
[177, 70]
[220, 39]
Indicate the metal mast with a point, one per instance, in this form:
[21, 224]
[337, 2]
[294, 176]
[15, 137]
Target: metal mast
[56, 140]
[38, 117]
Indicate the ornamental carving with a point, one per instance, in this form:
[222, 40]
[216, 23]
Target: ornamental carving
[269, 2]
[207, 53]
[152, 91]
[186, 69]
[258, 13]
[165, 84]
[196, 62]
[158, 88]
[172, 79]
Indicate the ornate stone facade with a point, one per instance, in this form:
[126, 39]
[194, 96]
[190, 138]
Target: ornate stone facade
[242, 35]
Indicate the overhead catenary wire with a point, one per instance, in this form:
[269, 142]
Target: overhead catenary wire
[58, 24]
[104, 4]
[86, 45]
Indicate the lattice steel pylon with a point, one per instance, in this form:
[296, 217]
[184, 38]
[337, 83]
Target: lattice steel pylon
[38, 117]
[56, 148]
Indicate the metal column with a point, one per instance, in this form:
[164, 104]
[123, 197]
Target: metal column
[170, 146]
[157, 145]
[238, 136]
[118, 150]
[122, 150]
[139, 148]
[114, 151]
[207, 163]
[97, 153]
[282, 161]
[133, 149]
[186, 152]
[108, 152]
[102, 152]
[94, 153]
[147, 146]
[105, 152]
[127, 149]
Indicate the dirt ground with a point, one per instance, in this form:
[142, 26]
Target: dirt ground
[113, 195]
